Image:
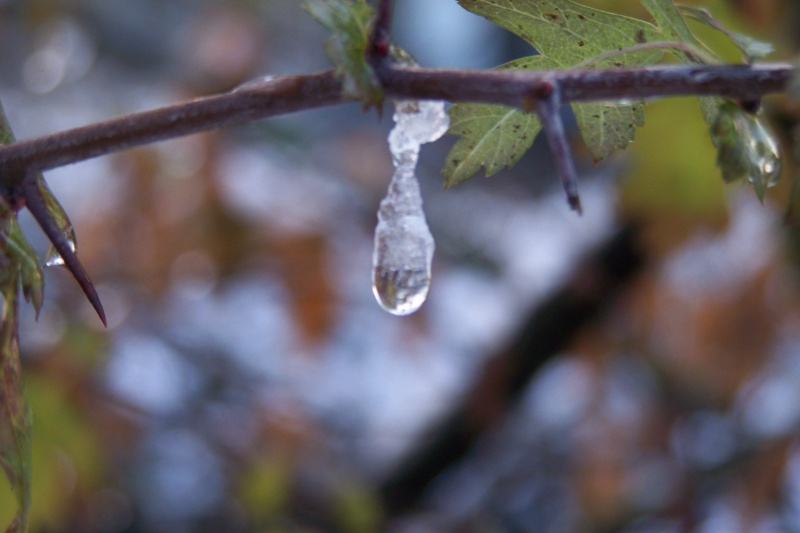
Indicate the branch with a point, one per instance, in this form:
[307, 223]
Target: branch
[252, 102]
[296, 93]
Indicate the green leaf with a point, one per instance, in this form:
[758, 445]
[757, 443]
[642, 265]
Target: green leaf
[18, 265]
[22, 254]
[674, 27]
[349, 22]
[492, 136]
[566, 34]
[673, 24]
[751, 49]
[569, 33]
[15, 415]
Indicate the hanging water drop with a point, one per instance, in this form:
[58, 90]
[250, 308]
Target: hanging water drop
[745, 149]
[53, 257]
[401, 261]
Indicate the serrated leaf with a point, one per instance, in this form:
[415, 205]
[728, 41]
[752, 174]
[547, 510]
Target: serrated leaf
[566, 34]
[492, 136]
[349, 22]
[606, 127]
[751, 49]
[672, 23]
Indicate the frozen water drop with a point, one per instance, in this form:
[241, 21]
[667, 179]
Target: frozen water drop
[401, 292]
[404, 246]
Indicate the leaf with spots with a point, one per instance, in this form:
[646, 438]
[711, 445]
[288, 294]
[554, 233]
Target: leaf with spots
[492, 136]
[565, 34]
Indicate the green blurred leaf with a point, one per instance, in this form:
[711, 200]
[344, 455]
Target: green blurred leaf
[751, 49]
[359, 509]
[30, 270]
[349, 22]
[670, 167]
[70, 462]
[265, 488]
[15, 415]
[673, 25]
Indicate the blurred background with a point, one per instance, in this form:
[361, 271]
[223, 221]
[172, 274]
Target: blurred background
[636, 369]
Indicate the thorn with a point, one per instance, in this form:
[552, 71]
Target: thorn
[575, 203]
[548, 112]
[36, 206]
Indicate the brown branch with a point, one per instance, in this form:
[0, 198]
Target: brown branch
[296, 93]
[251, 102]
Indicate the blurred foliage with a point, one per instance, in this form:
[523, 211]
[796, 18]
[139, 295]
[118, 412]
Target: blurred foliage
[349, 23]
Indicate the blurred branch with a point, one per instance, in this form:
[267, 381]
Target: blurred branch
[259, 100]
[504, 378]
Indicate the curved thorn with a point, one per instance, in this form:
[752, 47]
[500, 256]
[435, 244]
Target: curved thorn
[553, 126]
[38, 209]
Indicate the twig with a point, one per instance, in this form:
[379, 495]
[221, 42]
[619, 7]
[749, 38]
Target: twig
[547, 106]
[380, 39]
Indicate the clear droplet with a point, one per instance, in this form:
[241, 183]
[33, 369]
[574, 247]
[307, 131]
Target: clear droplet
[745, 149]
[401, 292]
[255, 83]
[54, 258]
[404, 246]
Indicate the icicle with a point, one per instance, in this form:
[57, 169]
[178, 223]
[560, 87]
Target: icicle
[401, 262]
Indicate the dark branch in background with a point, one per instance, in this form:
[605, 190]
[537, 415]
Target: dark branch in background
[504, 378]
[380, 38]
[296, 93]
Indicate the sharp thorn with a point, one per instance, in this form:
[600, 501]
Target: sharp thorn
[36, 206]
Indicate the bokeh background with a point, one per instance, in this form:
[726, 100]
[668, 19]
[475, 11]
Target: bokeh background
[636, 369]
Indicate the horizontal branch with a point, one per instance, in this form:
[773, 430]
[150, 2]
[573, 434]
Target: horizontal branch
[515, 88]
[289, 94]
[252, 102]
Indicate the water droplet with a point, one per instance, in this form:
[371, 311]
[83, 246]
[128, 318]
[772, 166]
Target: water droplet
[53, 257]
[745, 149]
[404, 246]
[401, 292]
[255, 83]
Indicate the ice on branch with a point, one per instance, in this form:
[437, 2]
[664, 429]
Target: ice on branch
[401, 261]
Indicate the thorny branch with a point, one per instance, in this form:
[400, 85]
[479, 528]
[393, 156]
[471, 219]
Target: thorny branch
[290, 94]
[542, 92]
